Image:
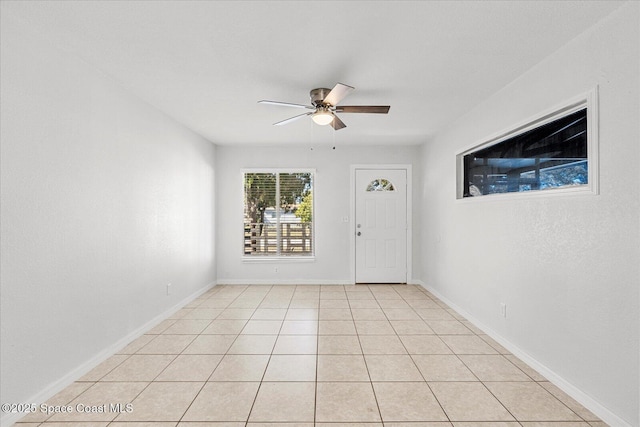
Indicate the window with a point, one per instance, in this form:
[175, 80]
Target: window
[555, 152]
[278, 213]
[380, 184]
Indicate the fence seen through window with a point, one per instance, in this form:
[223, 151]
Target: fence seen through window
[278, 214]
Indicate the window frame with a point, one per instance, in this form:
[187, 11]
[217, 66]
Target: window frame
[282, 258]
[588, 100]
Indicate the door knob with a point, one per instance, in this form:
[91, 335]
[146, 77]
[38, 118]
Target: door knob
[358, 233]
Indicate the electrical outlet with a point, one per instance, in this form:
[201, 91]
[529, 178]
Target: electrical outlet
[168, 289]
[275, 269]
[503, 309]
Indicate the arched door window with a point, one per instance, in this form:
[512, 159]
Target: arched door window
[381, 184]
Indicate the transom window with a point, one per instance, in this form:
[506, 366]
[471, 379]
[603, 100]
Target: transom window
[556, 152]
[380, 184]
[278, 213]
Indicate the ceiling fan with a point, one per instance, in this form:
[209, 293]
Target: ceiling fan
[324, 105]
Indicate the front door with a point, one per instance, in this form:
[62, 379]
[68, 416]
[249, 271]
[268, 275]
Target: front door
[381, 225]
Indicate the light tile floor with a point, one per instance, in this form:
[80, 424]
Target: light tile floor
[303, 356]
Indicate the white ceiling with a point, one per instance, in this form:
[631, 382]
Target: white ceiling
[207, 63]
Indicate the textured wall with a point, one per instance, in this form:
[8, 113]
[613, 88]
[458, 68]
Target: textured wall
[332, 203]
[104, 201]
[566, 266]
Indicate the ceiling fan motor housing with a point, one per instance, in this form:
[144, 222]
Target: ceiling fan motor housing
[318, 95]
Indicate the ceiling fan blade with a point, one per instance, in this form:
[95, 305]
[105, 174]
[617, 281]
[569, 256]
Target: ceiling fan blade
[292, 119]
[286, 104]
[337, 94]
[337, 124]
[380, 109]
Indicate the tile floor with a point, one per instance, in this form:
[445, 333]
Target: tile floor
[378, 355]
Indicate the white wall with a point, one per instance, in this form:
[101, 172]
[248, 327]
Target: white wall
[331, 198]
[567, 267]
[104, 201]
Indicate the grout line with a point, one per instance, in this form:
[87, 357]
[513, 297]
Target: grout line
[406, 297]
[366, 365]
[270, 355]
[219, 361]
[423, 378]
[315, 388]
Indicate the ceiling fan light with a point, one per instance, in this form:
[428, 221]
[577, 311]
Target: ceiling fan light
[322, 118]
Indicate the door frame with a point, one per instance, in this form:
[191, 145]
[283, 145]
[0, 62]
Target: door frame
[352, 215]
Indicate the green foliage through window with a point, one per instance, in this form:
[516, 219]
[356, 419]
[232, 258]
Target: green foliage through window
[278, 214]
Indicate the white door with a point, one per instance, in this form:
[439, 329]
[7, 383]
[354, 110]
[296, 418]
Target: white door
[381, 225]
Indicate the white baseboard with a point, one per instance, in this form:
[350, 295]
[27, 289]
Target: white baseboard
[281, 282]
[57, 386]
[54, 388]
[584, 399]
